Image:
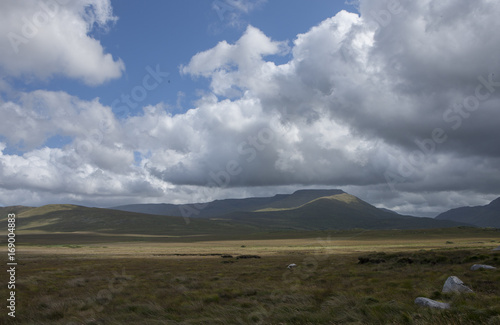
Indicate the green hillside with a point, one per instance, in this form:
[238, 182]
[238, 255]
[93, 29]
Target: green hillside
[72, 218]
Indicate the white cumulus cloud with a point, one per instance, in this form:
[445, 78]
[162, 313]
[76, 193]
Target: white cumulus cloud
[52, 37]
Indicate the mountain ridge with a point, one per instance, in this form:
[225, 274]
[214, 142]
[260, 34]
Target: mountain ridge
[220, 207]
[480, 216]
[341, 212]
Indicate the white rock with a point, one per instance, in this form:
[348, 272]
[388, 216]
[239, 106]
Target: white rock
[431, 303]
[454, 284]
[291, 266]
[476, 267]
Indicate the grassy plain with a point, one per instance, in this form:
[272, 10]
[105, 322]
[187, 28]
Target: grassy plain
[90, 278]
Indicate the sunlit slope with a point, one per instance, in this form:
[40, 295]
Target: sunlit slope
[72, 218]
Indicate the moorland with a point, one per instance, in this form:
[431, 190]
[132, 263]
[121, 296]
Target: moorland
[152, 280]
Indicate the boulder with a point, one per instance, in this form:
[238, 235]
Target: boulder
[431, 303]
[476, 267]
[454, 284]
[496, 249]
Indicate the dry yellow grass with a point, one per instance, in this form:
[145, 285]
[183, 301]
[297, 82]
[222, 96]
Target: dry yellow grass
[324, 243]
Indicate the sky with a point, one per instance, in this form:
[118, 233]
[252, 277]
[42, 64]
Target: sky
[104, 103]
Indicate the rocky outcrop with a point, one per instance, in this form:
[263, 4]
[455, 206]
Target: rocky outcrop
[454, 284]
[476, 267]
[426, 302]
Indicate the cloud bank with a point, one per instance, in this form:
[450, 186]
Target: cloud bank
[397, 104]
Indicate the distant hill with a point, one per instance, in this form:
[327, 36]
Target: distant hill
[481, 216]
[221, 207]
[340, 211]
[73, 218]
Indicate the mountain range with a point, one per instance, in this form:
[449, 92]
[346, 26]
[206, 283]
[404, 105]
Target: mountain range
[302, 210]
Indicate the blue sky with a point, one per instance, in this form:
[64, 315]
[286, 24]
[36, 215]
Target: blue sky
[109, 102]
[169, 33]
